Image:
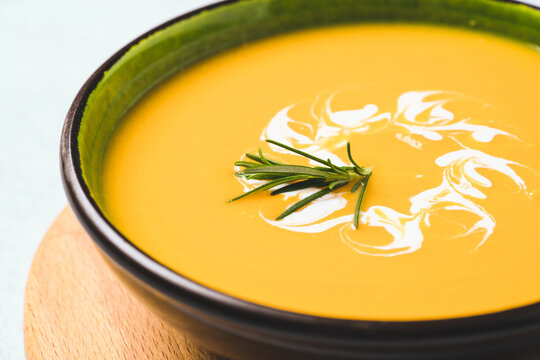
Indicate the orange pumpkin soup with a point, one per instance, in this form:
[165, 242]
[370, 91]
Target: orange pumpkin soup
[448, 121]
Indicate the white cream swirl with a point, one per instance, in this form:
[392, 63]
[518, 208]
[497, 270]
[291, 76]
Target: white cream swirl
[420, 113]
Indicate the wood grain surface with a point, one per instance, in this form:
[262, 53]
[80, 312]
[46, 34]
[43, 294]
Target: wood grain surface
[75, 308]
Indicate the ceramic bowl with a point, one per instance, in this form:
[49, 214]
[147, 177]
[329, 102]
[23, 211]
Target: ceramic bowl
[230, 326]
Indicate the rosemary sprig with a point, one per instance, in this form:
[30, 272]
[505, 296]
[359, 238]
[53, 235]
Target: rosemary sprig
[327, 177]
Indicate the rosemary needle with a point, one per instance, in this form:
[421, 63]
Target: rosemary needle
[327, 177]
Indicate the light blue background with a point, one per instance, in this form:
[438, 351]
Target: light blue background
[47, 50]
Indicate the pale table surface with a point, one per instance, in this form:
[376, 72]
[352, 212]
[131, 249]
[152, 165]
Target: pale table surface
[47, 50]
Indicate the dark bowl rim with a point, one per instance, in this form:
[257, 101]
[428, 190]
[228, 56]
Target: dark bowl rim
[180, 288]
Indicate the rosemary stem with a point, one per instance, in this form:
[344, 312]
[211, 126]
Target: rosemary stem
[360, 198]
[328, 178]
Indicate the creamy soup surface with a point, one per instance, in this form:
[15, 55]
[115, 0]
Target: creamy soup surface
[448, 120]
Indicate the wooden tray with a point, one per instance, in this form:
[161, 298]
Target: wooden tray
[76, 309]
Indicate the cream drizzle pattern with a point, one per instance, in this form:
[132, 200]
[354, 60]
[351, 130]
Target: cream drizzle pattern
[416, 113]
